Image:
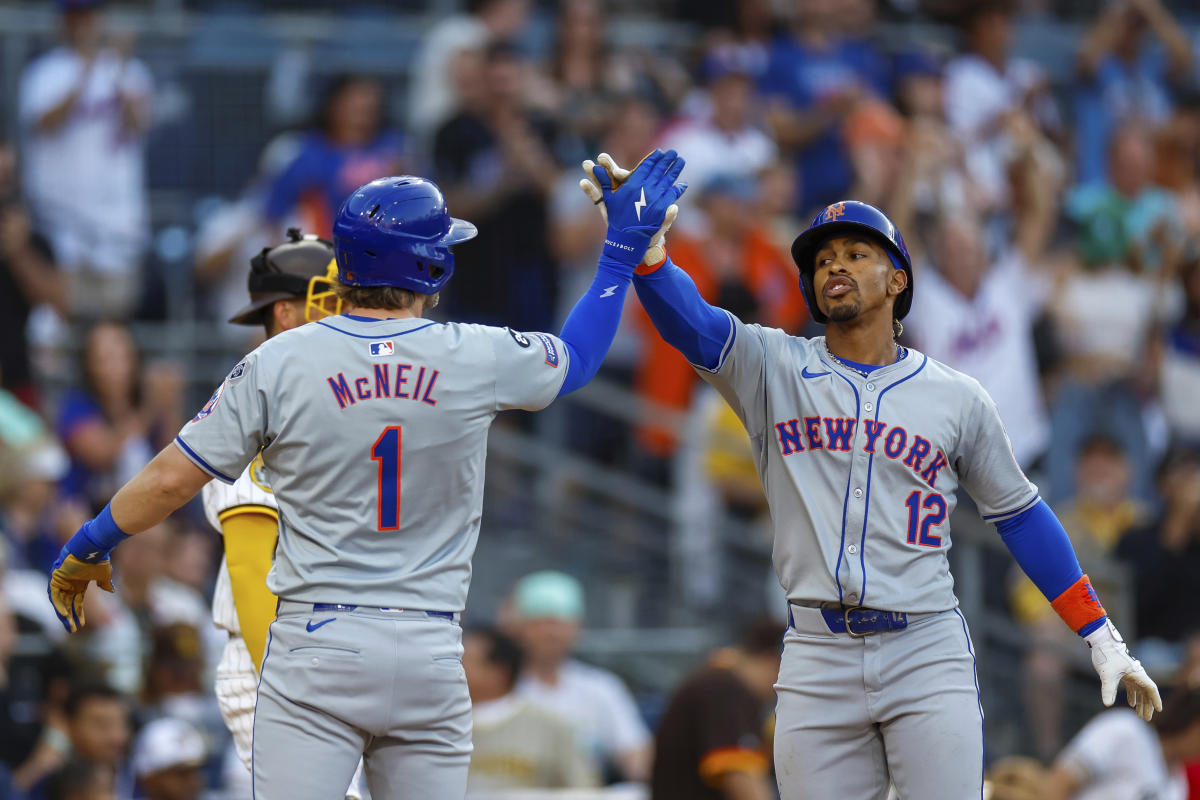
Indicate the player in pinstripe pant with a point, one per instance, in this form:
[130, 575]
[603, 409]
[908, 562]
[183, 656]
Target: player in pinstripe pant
[289, 286]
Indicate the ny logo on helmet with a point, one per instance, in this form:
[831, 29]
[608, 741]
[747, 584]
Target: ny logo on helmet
[833, 212]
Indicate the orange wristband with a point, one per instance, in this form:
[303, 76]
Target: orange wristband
[1078, 605]
[646, 269]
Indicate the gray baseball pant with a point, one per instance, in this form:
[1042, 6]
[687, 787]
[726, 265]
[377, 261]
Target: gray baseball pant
[386, 685]
[901, 705]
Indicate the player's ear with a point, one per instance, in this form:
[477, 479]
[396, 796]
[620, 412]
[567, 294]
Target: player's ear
[897, 282]
[287, 314]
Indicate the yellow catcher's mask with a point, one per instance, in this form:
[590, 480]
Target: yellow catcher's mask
[322, 301]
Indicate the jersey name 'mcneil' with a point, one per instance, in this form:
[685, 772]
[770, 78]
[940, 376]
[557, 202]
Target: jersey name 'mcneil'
[400, 381]
[794, 434]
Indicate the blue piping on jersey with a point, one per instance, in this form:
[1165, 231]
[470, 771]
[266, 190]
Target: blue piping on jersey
[195, 458]
[725, 350]
[1018, 510]
[361, 318]
[978, 700]
[837, 570]
[862, 542]
[324, 324]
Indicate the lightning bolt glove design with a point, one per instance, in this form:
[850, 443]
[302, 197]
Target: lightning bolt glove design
[657, 252]
[637, 204]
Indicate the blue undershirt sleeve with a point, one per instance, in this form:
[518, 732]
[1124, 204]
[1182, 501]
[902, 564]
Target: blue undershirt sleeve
[592, 324]
[1040, 545]
[683, 318]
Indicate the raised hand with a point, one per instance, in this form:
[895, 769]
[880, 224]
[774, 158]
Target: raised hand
[637, 207]
[656, 252]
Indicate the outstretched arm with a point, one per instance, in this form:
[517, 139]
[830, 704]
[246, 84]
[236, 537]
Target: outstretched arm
[592, 324]
[163, 486]
[638, 209]
[989, 472]
[686, 322]
[1040, 546]
[1039, 543]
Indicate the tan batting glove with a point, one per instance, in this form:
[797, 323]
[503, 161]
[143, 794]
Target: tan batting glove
[69, 582]
[1116, 666]
[657, 251]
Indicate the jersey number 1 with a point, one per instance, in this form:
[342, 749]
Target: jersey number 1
[919, 533]
[386, 451]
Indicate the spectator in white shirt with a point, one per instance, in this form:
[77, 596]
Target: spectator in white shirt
[84, 108]
[722, 139]
[980, 310]
[548, 609]
[1118, 757]
[987, 92]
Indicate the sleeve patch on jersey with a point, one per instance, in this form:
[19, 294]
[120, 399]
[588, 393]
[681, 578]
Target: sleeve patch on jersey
[381, 349]
[237, 371]
[520, 338]
[211, 404]
[550, 348]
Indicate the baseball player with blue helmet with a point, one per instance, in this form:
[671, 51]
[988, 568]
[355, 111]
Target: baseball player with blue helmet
[861, 445]
[372, 426]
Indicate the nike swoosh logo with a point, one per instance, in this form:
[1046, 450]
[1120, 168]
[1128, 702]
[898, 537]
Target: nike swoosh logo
[610, 291]
[312, 626]
[804, 373]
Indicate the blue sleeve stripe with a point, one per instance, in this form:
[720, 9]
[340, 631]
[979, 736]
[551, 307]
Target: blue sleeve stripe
[195, 458]
[725, 349]
[1017, 510]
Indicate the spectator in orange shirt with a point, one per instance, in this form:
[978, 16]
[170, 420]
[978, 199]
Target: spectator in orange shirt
[735, 263]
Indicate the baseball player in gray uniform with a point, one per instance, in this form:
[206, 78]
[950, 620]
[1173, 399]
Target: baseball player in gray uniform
[373, 426]
[861, 445]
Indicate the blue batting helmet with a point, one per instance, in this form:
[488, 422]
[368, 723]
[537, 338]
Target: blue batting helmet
[397, 232]
[842, 219]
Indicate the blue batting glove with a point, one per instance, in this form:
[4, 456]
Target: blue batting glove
[637, 208]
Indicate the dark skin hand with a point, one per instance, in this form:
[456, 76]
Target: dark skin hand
[856, 287]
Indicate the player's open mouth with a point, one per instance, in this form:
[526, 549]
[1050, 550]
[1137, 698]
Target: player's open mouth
[838, 286]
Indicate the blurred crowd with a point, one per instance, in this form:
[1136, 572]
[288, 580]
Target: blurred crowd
[1054, 223]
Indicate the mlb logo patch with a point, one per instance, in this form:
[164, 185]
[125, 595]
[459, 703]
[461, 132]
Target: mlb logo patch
[381, 349]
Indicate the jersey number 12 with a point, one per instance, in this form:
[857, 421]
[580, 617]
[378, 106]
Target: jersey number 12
[386, 451]
[918, 529]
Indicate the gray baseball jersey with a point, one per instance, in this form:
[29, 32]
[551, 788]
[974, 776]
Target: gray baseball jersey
[374, 433]
[860, 471]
